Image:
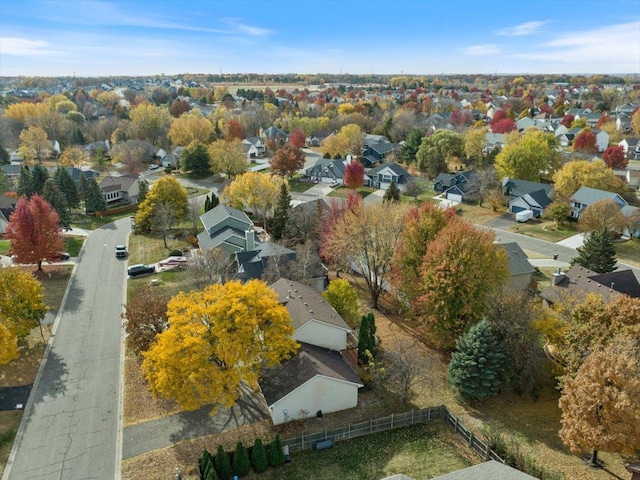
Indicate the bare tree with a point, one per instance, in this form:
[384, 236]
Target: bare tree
[406, 368]
[195, 203]
[211, 266]
[165, 218]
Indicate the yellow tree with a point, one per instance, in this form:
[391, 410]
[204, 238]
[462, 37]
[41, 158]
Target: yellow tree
[190, 127]
[342, 296]
[108, 99]
[218, 339]
[34, 144]
[474, 142]
[21, 309]
[352, 137]
[73, 156]
[600, 215]
[227, 157]
[151, 122]
[584, 173]
[635, 122]
[528, 157]
[254, 191]
[334, 146]
[165, 194]
[601, 405]
[26, 111]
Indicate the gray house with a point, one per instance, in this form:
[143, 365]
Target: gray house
[227, 228]
[586, 196]
[327, 171]
[385, 173]
[520, 270]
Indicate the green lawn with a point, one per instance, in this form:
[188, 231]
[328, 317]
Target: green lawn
[545, 230]
[92, 223]
[629, 252]
[4, 247]
[150, 248]
[73, 244]
[343, 192]
[421, 452]
[298, 186]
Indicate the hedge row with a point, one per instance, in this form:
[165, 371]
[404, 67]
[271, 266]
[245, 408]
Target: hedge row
[224, 465]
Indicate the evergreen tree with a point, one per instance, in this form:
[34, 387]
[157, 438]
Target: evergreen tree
[206, 466]
[259, 460]
[67, 186]
[82, 186]
[367, 338]
[241, 464]
[207, 203]
[276, 455]
[598, 253]
[215, 201]
[25, 182]
[195, 158]
[412, 145]
[477, 365]
[39, 176]
[94, 201]
[5, 159]
[143, 190]
[52, 194]
[392, 194]
[281, 214]
[222, 464]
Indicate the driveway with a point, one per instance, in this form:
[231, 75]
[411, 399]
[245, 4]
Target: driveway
[574, 242]
[504, 221]
[70, 428]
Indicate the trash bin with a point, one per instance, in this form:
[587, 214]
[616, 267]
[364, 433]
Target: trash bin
[555, 257]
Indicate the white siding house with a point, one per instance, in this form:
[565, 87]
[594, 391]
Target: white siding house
[322, 334]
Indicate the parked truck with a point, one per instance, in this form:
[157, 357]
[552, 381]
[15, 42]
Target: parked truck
[524, 216]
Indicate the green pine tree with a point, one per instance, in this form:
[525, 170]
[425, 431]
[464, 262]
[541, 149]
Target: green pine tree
[5, 159]
[222, 464]
[215, 201]
[478, 364]
[412, 145]
[82, 186]
[259, 460]
[367, 338]
[52, 194]
[276, 455]
[207, 203]
[281, 214]
[392, 194]
[39, 175]
[241, 464]
[598, 253]
[143, 189]
[25, 182]
[67, 186]
[206, 466]
[94, 201]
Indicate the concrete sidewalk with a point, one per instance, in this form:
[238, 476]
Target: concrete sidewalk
[547, 262]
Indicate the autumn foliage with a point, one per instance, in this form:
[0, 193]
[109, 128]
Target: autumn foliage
[217, 339]
[585, 142]
[146, 315]
[34, 231]
[297, 138]
[615, 158]
[354, 175]
[287, 160]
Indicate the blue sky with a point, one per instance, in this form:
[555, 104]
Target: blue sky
[95, 38]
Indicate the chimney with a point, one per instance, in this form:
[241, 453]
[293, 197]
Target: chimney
[556, 278]
[250, 240]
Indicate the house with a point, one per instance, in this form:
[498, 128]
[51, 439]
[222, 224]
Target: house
[328, 171]
[628, 212]
[586, 196]
[316, 138]
[631, 147]
[254, 147]
[275, 133]
[381, 176]
[602, 139]
[536, 201]
[514, 188]
[317, 378]
[579, 281]
[227, 228]
[457, 187]
[120, 189]
[12, 173]
[520, 270]
[493, 140]
[523, 123]
[253, 261]
[7, 206]
[623, 123]
[491, 470]
[376, 153]
[626, 109]
[76, 173]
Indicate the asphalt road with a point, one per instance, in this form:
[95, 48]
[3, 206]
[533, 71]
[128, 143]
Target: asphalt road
[70, 430]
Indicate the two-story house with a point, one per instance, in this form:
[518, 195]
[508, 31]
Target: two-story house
[125, 188]
[586, 196]
[381, 176]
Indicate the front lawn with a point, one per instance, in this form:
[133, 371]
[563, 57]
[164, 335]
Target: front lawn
[298, 185]
[150, 248]
[88, 222]
[629, 252]
[5, 245]
[343, 192]
[73, 244]
[476, 213]
[545, 230]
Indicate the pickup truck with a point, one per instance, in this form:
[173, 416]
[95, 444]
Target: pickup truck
[121, 251]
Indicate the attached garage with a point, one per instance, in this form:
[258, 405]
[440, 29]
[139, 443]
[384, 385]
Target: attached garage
[455, 197]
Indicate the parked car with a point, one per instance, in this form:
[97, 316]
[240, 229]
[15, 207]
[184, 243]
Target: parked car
[140, 269]
[154, 166]
[334, 184]
[61, 256]
[121, 251]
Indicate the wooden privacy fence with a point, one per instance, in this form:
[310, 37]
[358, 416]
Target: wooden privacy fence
[390, 422]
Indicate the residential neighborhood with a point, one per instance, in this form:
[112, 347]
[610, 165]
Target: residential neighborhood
[318, 275]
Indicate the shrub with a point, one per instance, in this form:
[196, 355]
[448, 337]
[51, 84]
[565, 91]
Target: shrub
[259, 457]
[175, 253]
[241, 465]
[276, 455]
[222, 464]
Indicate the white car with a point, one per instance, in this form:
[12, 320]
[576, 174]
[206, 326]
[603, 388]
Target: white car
[154, 166]
[334, 184]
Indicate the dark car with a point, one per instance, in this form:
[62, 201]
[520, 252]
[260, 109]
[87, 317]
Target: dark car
[140, 269]
[61, 256]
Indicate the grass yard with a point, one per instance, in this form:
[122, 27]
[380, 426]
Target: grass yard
[296, 185]
[92, 223]
[545, 230]
[9, 423]
[5, 245]
[629, 252]
[477, 214]
[343, 192]
[73, 244]
[421, 451]
[150, 248]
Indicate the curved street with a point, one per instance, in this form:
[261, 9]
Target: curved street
[71, 425]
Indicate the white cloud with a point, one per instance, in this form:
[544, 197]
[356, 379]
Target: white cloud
[527, 28]
[25, 47]
[608, 45]
[240, 27]
[483, 49]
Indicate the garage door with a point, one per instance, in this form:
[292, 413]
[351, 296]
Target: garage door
[516, 209]
[454, 197]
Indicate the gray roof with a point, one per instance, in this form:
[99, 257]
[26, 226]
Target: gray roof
[305, 303]
[517, 187]
[491, 470]
[220, 213]
[308, 362]
[324, 166]
[540, 197]
[403, 175]
[518, 261]
[588, 195]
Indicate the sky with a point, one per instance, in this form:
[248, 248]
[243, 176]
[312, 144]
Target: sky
[141, 37]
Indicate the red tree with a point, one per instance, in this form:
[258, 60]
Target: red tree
[178, 107]
[461, 117]
[235, 130]
[567, 120]
[34, 231]
[287, 160]
[546, 108]
[585, 141]
[503, 126]
[615, 158]
[297, 138]
[354, 175]
[603, 119]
